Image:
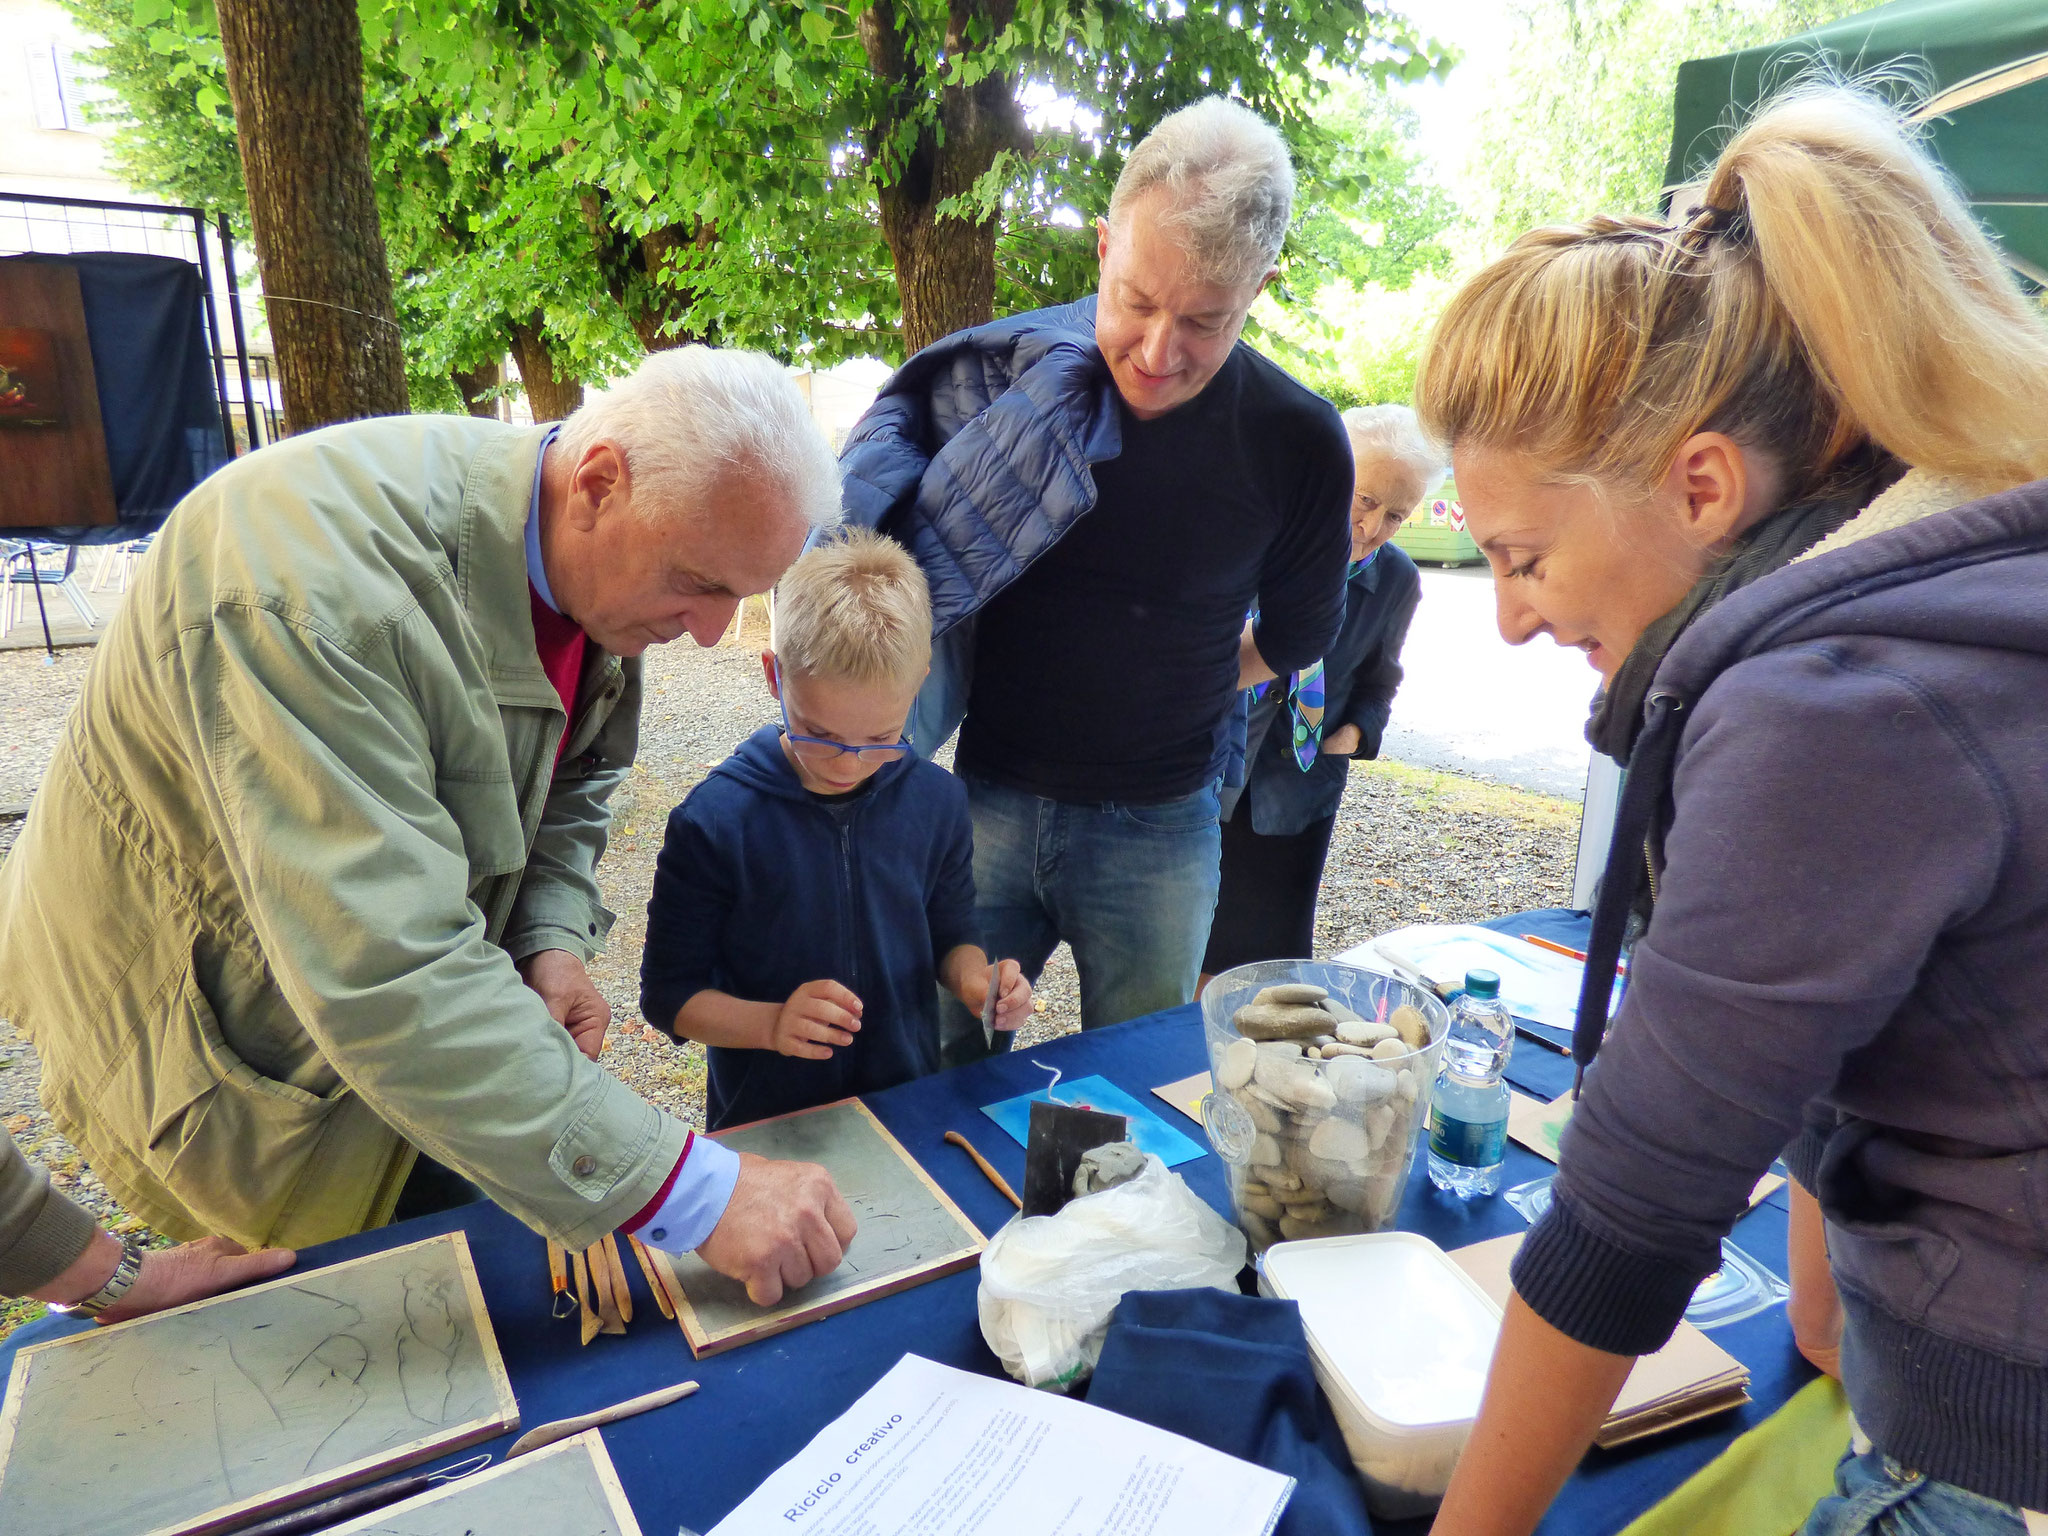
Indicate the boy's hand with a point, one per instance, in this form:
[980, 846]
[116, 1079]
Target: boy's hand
[819, 1017]
[571, 996]
[1013, 994]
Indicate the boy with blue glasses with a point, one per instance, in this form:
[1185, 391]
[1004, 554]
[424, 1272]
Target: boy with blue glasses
[816, 885]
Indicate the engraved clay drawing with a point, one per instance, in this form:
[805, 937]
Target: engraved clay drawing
[257, 1400]
[909, 1231]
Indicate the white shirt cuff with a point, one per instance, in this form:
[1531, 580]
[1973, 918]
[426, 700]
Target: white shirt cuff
[696, 1200]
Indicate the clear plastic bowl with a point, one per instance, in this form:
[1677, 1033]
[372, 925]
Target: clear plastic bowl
[1317, 1148]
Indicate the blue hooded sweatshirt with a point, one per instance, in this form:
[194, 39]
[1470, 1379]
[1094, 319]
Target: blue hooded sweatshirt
[762, 886]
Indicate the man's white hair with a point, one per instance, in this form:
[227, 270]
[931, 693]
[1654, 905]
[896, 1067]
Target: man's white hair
[686, 419]
[1392, 431]
[1230, 188]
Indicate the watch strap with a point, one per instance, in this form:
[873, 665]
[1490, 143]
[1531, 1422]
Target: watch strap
[125, 1273]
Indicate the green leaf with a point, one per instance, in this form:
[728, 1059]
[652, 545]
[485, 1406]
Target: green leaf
[817, 28]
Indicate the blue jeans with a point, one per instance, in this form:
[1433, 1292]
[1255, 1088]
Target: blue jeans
[1130, 887]
[1873, 1493]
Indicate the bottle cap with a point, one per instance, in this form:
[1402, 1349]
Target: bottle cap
[1482, 983]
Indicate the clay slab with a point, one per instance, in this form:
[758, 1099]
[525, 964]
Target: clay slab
[909, 1231]
[208, 1415]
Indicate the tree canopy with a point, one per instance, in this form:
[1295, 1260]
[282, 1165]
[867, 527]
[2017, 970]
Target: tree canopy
[821, 180]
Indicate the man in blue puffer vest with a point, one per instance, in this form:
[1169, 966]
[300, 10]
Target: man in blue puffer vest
[1098, 493]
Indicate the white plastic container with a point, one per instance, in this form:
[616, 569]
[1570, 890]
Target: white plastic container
[1401, 1338]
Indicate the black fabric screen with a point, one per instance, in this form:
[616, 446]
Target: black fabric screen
[145, 322]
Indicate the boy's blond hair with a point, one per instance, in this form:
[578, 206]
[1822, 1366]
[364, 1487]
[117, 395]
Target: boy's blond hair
[856, 610]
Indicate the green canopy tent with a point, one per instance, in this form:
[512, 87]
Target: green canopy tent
[1987, 64]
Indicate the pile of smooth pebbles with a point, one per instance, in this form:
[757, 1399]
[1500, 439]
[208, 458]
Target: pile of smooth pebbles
[1334, 1097]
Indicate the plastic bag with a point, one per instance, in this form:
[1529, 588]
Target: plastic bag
[1049, 1283]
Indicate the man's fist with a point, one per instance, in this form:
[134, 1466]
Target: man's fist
[571, 996]
[819, 1017]
[784, 1226]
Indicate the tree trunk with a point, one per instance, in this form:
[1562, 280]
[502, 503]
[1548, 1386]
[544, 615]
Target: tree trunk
[551, 398]
[475, 386]
[295, 72]
[945, 267]
[633, 266]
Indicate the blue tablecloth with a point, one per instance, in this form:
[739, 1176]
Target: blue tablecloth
[689, 1464]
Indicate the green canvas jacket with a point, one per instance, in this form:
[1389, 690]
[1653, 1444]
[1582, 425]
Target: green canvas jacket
[261, 920]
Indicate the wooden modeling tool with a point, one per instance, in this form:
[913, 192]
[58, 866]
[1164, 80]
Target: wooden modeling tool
[621, 1295]
[608, 1317]
[1060, 1133]
[562, 1429]
[655, 1283]
[589, 1319]
[983, 1164]
[558, 1276]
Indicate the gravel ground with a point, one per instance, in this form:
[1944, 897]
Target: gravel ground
[1411, 845]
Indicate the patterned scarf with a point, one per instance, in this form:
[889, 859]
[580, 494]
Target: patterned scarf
[1306, 702]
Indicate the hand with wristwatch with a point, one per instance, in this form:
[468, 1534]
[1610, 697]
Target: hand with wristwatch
[115, 1279]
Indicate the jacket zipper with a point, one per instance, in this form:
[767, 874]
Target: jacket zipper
[847, 909]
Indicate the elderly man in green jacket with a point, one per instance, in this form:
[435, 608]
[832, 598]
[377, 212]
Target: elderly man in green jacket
[302, 909]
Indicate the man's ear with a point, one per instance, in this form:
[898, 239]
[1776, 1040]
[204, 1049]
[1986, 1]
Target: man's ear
[1710, 480]
[1102, 240]
[774, 680]
[1271, 273]
[598, 484]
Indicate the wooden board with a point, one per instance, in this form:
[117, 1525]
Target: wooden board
[1690, 1378]
[569, 1488]
[910, 1231]
[211, 1414]
[52, 475]
[1538, 1126]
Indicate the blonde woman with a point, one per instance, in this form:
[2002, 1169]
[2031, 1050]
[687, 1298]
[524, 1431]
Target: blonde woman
[1837, 800]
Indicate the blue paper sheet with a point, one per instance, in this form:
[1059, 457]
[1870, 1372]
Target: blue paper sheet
[1151, 1133]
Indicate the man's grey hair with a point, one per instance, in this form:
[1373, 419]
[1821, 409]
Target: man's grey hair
[1230, 188]
[687, 419]
[1392, 431]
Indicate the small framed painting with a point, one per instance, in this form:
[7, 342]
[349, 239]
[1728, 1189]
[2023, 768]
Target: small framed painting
[31, 391]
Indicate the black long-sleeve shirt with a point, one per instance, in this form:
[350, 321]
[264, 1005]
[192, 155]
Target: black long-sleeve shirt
[1107, 671]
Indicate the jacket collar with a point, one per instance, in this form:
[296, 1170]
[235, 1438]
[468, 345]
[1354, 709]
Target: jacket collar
[490, 566]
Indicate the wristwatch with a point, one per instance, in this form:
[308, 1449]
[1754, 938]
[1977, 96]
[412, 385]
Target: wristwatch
[116, 1287]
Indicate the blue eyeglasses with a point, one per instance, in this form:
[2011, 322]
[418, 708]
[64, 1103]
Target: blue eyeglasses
[817, 751]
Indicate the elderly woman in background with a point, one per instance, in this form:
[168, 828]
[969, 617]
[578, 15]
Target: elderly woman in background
[1306, 729]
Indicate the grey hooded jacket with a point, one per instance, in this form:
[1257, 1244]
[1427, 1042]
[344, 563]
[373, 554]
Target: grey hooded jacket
[1849, 953]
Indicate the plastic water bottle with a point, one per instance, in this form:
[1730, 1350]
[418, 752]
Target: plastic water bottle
[1468, 1118]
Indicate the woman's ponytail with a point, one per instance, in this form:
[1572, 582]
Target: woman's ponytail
[1906, 314]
